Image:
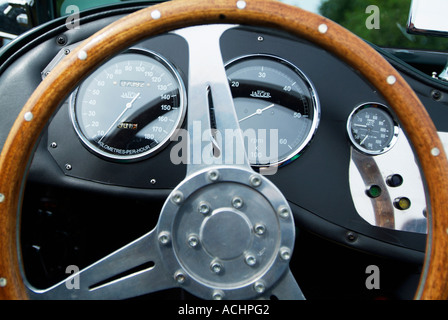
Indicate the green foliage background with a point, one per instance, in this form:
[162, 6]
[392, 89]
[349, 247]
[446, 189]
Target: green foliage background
[393, 19]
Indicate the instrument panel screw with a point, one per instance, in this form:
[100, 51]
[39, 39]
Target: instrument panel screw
[351, 236]
[153, 181]
[2, 197]
[436, 95]
[260, 38]
[3, 282]
[53, 145]
[68, 166]
[61, 40]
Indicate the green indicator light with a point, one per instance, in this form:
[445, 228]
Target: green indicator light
[374, 191]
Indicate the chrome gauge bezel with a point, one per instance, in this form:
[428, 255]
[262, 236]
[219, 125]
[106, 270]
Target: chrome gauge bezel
[392, 118]
[163, 143]
[314, 101]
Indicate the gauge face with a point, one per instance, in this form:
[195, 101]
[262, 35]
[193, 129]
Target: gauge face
[276, 106]
[372, 128]
[130, 107]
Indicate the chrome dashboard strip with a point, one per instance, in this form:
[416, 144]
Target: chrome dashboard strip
[399, 160]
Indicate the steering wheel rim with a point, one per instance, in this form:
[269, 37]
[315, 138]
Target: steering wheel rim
[16, 154]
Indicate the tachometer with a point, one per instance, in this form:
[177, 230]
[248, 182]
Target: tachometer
[130, 107]
[276, 105]
[372, 128]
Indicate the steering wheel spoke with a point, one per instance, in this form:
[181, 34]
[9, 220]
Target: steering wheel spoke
[131, 271]
[287, 289]
[215, 135]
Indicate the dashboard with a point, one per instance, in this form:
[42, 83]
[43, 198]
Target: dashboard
[312, 125]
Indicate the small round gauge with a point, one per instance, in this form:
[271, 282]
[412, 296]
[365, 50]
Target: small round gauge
[276, 105]
[129, 107]
[372, 128]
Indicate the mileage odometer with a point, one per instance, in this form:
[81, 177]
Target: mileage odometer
[130, 107]
[372, 128]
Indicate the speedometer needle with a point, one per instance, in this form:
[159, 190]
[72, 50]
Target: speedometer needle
[128, 106]
[259, 111]
[364, 140]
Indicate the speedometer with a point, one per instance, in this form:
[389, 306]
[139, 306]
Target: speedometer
[276, 105]
[130, 107]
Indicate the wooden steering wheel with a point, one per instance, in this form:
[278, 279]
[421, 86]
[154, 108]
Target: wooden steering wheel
[154, 20]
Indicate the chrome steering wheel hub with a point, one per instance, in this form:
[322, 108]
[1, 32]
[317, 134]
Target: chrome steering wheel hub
[226, 232]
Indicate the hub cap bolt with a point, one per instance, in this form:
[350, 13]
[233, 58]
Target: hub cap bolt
[259, 287]
[283, 212]
[164, 237]
[204, 207]
[285, 253]
[250, 260]
[177, 197]
[213, 175]
[218, 295]
[193, 241]
[260, 229]
[255, 180]
[237, 202]
[180, 277]
[216, 267]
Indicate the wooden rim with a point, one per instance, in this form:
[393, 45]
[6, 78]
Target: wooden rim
[154, 20]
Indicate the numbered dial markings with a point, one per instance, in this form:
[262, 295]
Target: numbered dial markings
[276, 106]
[372, 128]
[130, 107]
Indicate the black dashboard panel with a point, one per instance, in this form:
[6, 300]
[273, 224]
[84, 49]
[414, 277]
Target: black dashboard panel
[75, 160]
[322, 169]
